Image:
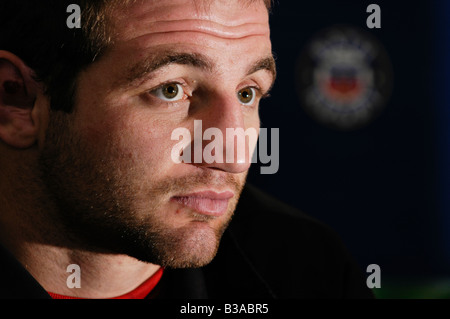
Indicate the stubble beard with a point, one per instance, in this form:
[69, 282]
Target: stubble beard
[102, 207]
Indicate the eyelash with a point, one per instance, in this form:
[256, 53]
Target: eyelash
[182, 84]
[261, 93]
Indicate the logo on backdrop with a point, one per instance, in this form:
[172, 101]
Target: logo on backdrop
[344, 78]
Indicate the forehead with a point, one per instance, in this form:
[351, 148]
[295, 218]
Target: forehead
[232, 19]
[232, 35]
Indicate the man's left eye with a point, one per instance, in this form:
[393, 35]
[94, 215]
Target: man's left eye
[247, 96]
[170, 92]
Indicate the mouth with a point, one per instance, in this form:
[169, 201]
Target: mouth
[208, 203]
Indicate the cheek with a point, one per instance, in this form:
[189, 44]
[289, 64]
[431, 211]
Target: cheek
[132, 139]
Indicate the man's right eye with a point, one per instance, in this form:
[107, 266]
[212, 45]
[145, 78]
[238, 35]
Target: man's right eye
[170, 92]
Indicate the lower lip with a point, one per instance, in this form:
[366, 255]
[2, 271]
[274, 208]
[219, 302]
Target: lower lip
[205, 206]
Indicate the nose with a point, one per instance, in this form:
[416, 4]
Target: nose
[225, 135]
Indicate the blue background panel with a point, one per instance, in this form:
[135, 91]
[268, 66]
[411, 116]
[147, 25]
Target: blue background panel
[383, 187]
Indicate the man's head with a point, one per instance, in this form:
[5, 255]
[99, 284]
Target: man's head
[99, 109]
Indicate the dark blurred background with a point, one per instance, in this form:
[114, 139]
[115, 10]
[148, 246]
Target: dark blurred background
[382, 186]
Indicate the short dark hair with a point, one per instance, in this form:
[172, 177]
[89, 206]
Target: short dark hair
[35, 31]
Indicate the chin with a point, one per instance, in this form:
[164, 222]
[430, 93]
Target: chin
[191, 246]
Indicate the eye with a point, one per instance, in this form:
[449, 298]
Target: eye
[247, 96]
[169, 92]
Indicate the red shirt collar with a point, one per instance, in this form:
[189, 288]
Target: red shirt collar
[140, 292]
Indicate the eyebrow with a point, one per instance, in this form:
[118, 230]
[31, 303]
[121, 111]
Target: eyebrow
[267, 64]
[147, 66]
[162, 59]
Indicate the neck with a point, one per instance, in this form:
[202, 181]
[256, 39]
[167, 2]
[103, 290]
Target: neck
[100, 275]
[30, 229]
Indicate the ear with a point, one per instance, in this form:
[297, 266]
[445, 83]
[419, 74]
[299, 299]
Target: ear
[18, 89]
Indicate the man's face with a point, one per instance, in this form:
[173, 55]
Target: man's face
[109, 165]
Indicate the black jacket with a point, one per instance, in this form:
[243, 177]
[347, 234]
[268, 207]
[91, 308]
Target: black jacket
[270, 250]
